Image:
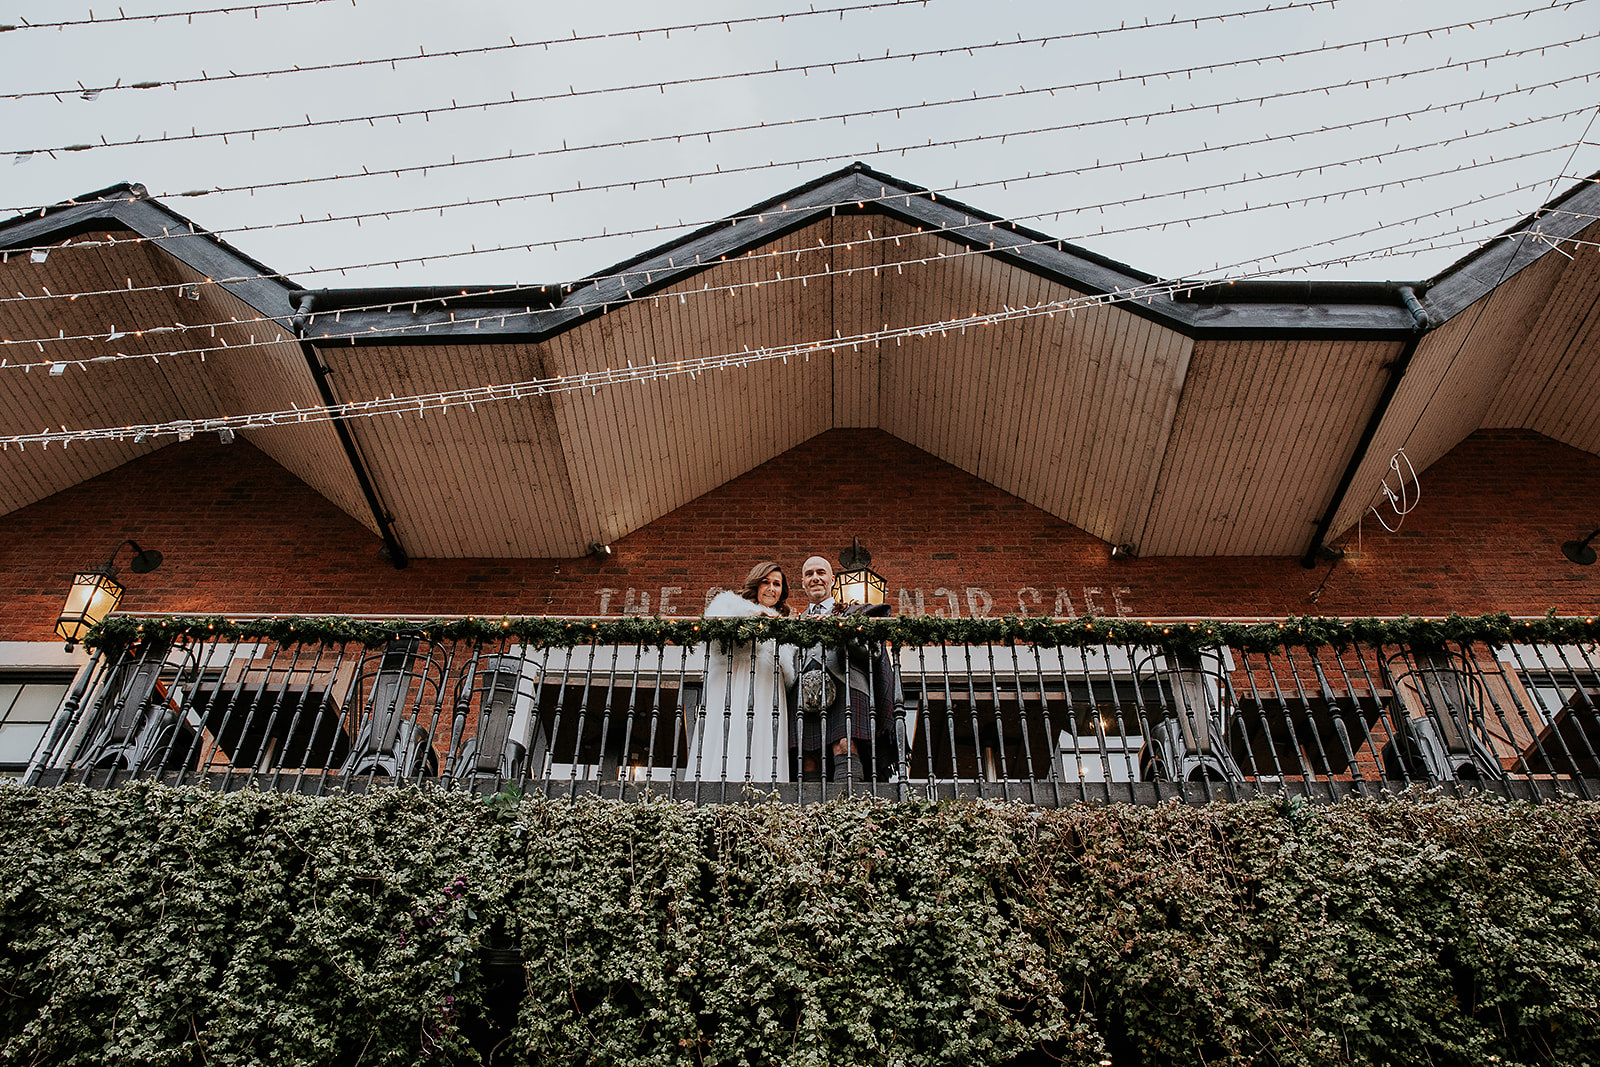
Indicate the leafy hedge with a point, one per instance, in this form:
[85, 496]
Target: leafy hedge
[159, 926]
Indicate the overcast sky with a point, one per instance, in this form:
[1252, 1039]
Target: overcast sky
[1193, 195]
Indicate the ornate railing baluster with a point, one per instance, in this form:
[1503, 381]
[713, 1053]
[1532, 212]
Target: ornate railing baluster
[1308, 774]
[1022, 719]
[66, 719]
[999, 724]
[986, 718]
[1536, 733]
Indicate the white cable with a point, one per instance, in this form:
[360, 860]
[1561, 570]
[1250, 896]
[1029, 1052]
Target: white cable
[1403, 500]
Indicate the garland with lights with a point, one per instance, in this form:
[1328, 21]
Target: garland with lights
[541, 632]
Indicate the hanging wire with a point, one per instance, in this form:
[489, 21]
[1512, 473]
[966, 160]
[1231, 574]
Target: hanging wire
[499, 200]
[1405, 497]
[1409, 114]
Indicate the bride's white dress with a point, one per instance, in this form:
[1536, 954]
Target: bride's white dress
[742, 731]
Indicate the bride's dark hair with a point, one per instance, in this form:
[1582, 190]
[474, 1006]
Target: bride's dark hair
[758, 574]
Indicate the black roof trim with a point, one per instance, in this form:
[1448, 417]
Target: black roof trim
[1265, 308]
[129, 207]
[1497, 260]
[1355, 311]
[526, 297]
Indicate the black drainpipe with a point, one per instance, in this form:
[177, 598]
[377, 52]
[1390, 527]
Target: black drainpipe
[397, 554]
[1397, 370]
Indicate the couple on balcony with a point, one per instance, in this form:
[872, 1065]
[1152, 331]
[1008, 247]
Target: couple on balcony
[772, 711]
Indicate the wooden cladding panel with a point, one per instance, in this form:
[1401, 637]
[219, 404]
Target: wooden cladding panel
[1263, 430]
[1068, 412]
[1000, 391]
[418, 469]
[637, 451]
[483, 482]
[859, 309]
[1450, 383]
[596, 439]
[1570, 409]
[1064, 430]
[1490, 365]
[259, 377]
[253, 365]
[123, 393]
[1553, 386]
[1535, 316]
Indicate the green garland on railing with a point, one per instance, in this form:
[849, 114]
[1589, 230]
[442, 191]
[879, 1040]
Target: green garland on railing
[540, 632]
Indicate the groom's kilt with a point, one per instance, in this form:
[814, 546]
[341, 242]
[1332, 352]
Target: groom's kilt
[851, 711]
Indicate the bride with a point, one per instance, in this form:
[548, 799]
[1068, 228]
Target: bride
[743, 730]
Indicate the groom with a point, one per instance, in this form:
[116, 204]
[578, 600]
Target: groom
[840, 694]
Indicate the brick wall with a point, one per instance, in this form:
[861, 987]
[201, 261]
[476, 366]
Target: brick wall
[241, 534]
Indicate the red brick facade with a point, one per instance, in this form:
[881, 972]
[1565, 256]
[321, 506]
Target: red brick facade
[241, 534]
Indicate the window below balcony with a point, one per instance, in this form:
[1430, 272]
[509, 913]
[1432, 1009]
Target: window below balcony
[28, 700]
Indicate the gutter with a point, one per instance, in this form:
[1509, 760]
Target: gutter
[1276, 291]
[1397, 370]
[397, 553]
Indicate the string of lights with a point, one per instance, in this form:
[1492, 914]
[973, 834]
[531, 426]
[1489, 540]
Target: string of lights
[463, 318]
[59, 365]
[1185, 154]
[500, 200]
[1435, 241]
[830, 66]
[120, 18]
[897, 110]
[446, 400]
[82, 91]
[953, 230]
[421, 404]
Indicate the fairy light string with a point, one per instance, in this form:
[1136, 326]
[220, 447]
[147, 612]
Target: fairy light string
[641, 275]
[121, 18]
[501, 199]
[638, 34]
[444, 401]
[1409, 114]
[820, 66]
[422, 404]
[1054, 215]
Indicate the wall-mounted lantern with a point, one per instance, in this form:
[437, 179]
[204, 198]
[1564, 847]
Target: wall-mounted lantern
[857, 582]
[95, 594]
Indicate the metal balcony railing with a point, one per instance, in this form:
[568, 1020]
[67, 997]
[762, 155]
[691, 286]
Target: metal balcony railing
[709, 723]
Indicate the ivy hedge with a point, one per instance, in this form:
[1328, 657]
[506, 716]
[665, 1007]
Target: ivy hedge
[152, 925]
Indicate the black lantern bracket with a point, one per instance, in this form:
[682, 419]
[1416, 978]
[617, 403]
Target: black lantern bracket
[855, 557]
[1581, 552]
